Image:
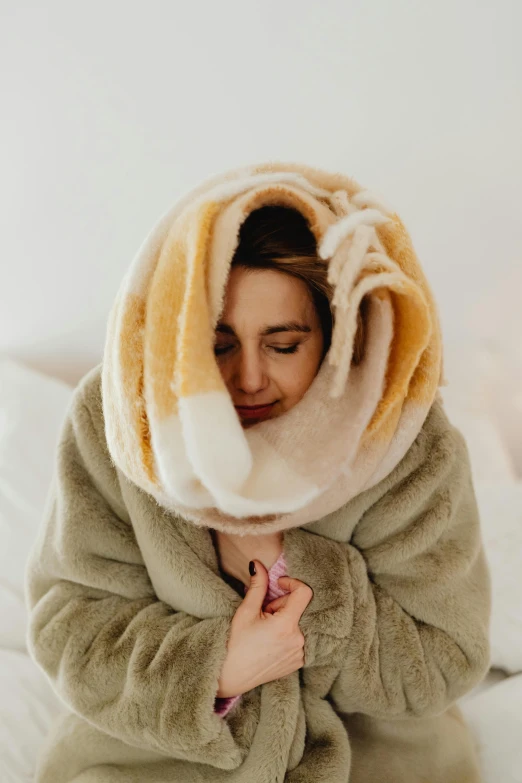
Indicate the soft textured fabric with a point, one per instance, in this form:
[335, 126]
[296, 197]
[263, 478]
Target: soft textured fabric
[224, 705]
[130, 617]
[171, 425]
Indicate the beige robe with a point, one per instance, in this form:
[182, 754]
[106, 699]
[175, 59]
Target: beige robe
[130, 617]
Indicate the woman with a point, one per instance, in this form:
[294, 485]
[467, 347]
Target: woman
[349, 479]
[275, 281]
[277, 305]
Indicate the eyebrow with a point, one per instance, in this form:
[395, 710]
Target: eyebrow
[287, 326]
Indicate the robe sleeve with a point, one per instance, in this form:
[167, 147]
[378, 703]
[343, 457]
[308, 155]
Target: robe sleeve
[116, 655]
[403, 609]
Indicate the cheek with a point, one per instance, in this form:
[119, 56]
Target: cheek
[296, 376]
[227, 372]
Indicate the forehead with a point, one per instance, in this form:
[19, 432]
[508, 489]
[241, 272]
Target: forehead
[259, 297]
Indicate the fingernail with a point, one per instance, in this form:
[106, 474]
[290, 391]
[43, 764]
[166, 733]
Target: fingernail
[252, 568]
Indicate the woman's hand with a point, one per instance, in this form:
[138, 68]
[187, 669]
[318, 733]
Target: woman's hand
[236, 551]
[264, 646]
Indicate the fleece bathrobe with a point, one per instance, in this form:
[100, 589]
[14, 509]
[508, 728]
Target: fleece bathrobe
[130, 617]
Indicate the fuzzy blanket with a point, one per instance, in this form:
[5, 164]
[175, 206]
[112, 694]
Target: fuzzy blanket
[170, 423]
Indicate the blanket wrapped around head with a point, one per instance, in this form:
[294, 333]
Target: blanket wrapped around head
[171, 425]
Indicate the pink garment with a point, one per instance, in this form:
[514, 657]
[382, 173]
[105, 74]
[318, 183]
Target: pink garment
[222, 706]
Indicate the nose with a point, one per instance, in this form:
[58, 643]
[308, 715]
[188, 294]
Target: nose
[250, 376]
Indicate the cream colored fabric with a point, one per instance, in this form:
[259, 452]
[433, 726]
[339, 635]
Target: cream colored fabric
[129, 618]
[171, 425]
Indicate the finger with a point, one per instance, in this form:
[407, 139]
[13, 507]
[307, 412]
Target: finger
[297, 599]
[255, 595]
[290, 584]
[276, 604]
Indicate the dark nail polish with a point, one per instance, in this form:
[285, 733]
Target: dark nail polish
[252, 568]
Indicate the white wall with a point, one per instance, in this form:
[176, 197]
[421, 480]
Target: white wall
[111, 110]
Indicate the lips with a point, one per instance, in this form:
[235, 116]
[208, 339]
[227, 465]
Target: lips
[254, 411]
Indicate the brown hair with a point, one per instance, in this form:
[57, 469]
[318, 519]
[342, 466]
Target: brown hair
[279, 238]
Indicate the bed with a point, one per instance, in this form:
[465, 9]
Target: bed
[32, 407]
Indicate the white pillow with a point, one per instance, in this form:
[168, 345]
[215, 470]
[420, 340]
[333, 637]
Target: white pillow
[500, 508]
[506, 405]
[27, 709]
[495, 719]
[469, 401]
[495, 320]
[32, 409]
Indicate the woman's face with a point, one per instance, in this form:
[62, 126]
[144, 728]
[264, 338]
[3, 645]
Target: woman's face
[269, 342]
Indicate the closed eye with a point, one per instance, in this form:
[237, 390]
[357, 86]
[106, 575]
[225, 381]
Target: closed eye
[290, 349]
[219, 350]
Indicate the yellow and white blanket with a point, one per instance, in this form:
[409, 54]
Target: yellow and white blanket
[171, 426]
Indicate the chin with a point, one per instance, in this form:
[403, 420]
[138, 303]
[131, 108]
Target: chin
[246, 424]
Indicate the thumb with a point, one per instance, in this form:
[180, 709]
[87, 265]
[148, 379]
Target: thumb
[257, 588]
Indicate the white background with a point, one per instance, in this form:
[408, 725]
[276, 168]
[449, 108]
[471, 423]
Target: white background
[112, 110]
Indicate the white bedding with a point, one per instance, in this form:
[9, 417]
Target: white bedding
[32, 407]
[27, 708]
[494, 715]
